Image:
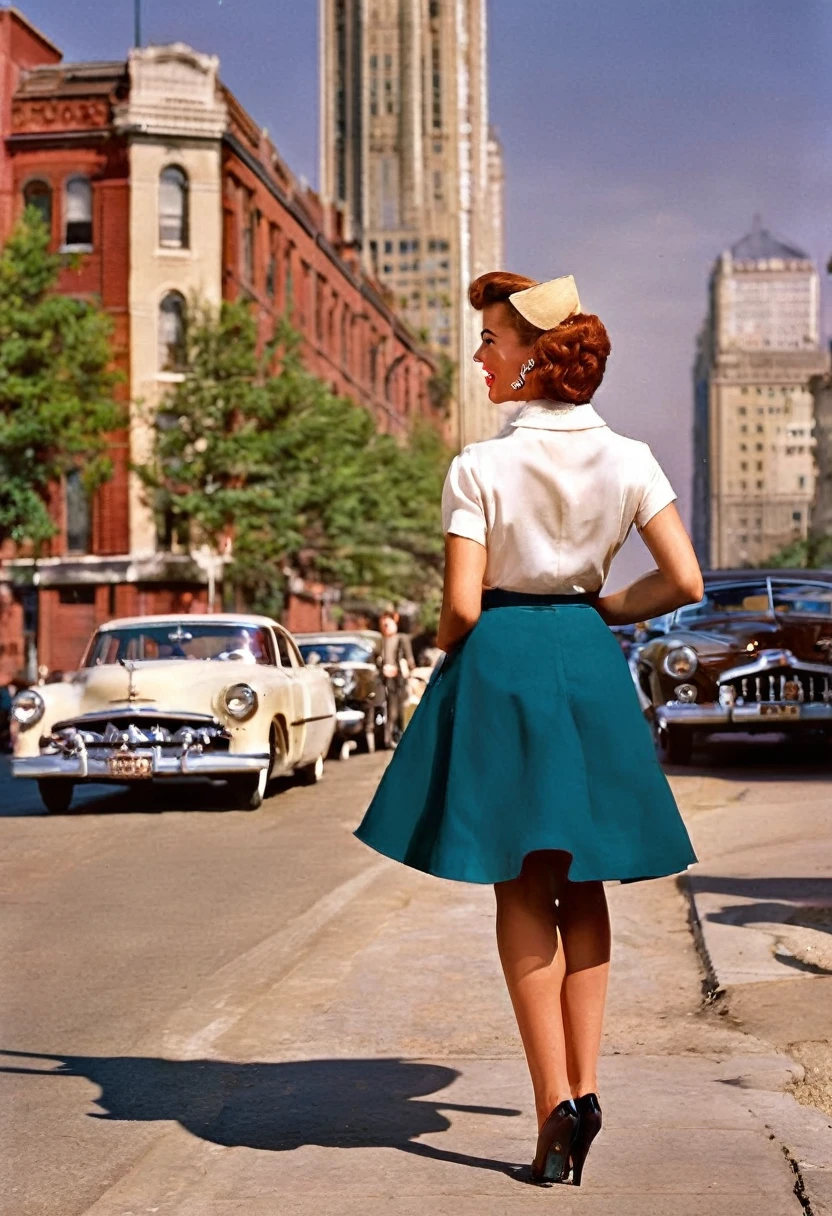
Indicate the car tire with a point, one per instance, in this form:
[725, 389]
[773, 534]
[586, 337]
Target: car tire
[675, 744]
[246, 793]
[56, 794]
[310, 774]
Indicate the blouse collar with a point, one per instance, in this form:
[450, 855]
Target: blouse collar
[548, 416]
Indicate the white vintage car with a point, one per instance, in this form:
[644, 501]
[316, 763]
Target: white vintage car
[224, 696]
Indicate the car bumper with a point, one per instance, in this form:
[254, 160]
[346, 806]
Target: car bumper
[772, 714]
[96, 768]
[349, 721]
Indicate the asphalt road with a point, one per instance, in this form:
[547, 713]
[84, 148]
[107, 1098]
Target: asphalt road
[131, 923]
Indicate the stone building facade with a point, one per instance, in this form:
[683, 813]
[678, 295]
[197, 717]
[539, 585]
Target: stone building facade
[407, 154]
[754, 474]
[153, 173]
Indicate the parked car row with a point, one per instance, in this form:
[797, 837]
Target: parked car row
[233, 698]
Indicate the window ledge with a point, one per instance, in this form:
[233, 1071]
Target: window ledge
[76, 249]
[173, 251]
[170, 377]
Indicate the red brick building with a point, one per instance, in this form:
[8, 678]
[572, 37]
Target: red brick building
[153, 173]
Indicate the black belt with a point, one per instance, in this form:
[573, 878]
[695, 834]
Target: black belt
[497, 597]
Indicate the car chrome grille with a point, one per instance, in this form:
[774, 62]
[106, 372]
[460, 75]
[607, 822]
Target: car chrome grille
[118, 731]
[812, 687]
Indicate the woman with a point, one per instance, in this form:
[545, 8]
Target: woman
[528, 764]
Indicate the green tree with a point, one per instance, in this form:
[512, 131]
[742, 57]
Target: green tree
[56, 385]
[297, 478]
[814, 553]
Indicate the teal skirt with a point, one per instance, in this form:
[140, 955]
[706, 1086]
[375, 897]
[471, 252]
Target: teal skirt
[529, 736]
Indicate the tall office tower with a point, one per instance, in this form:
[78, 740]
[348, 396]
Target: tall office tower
[407, 152]
[753, 445]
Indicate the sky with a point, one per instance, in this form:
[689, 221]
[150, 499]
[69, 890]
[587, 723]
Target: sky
[640, 138]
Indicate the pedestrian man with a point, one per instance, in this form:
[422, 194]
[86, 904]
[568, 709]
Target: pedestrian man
[396, 665]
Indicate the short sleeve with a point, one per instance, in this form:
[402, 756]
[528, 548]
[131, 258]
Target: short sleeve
[462, 509]
[656, 491]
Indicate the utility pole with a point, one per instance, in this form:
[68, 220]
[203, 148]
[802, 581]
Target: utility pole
[137, 23]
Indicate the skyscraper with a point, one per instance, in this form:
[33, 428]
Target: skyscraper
[753, 462]
[407, 153]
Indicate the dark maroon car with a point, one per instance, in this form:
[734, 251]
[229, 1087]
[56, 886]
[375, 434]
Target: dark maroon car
[754, 655]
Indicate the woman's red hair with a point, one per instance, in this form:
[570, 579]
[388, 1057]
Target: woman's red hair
[569, 360]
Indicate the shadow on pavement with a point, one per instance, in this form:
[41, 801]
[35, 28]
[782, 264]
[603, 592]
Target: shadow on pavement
[799, 902]
[276, 1107]
[769, 757]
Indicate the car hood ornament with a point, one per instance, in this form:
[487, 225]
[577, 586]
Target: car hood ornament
[130, 668]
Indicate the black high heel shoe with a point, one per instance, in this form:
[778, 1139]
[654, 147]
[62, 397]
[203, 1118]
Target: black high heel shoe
[555, 1143]
[589, 1125]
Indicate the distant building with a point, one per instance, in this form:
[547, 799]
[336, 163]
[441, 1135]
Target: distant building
[820, 524]
[406, 152]
[153, 173]
[754, 473]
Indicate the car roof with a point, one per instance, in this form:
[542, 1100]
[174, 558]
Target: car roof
[744, 575]
[241, 619]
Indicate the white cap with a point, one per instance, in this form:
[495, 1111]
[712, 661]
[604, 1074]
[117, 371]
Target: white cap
[547, 304]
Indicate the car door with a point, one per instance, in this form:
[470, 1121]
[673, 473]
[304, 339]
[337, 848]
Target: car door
[314, 704]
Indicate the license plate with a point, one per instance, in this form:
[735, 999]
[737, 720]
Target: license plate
[130, 766]
[780, 711]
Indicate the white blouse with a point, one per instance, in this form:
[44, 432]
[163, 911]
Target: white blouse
[552, 498]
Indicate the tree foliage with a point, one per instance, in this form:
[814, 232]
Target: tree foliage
[298, 479]
[814, 553]
[56, 384]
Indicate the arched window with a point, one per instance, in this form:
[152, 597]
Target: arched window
[38, 194]
[173, 208]
[172, 350]
[78, 213]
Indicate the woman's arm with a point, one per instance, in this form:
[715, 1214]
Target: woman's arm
[677, 581]
[462, 595]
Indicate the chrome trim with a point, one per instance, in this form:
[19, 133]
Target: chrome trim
[769, 660]
[85, 766]
[712, 714]
[137, 711]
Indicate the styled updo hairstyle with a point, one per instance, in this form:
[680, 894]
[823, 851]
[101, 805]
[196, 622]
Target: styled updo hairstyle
[569, 360]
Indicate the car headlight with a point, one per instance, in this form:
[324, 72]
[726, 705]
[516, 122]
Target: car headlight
[28, 707]
[681, 662]
[344, 683]
[240, 701]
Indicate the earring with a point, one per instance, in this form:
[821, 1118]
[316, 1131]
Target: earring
[521, 379]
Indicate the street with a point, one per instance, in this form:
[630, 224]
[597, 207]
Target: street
[203, 1010]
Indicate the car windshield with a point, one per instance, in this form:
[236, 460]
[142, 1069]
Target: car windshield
[750, 597]
[180, 640]
[337, 652]
[813, 598]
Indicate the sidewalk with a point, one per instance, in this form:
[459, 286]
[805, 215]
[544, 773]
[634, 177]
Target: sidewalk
[366, 1062]
[762, 908]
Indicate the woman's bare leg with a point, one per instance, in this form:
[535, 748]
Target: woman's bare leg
[533, 965]
[585, 932]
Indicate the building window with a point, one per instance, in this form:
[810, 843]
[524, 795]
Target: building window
[173, 208]
[797, 517]
[78, 215]
[78, 514]
[172, 348]
[288, 282]
[39, 195]
[249, 230]
[271, 276]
